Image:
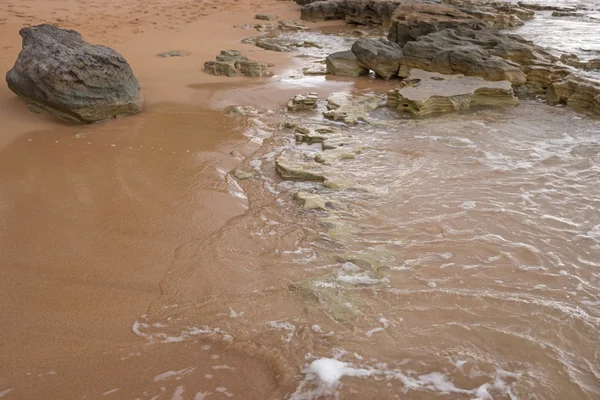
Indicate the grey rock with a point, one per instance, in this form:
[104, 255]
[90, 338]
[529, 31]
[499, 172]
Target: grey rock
[61, 74]
[487, 53]
[345, 63]
[172, 53]
[363, 12]
[266, 17]
[379, 55]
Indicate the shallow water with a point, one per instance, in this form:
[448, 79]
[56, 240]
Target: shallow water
[578, 34]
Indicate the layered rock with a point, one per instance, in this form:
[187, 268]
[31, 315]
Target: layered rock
[350, 110]
[303, 102]
[436, 93]
[345, 63]
[232, 63]
[412, 20]
[379, 55]
[577, 91]
[353, 11]
[488, 53]
[61, 74]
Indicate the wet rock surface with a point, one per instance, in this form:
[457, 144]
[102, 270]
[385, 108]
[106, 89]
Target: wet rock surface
[232, 63]
[351, 109]
[303, 102]
[488, 53]
[59, 73]
[379, 55]
[578, 91]
[436, 93]
[345, 63]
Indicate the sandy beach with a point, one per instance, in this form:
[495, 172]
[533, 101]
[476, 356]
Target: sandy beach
[392, 226]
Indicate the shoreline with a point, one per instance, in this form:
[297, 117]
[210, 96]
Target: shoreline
[161, 232]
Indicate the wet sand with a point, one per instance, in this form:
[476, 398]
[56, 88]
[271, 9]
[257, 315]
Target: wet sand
[90, 223]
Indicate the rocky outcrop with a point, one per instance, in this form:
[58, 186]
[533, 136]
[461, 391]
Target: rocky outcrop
[412, 20]
[303, 102]
[61, 74]
[488, 53]
[362, 12]
[577, 91]
[379, 55]
[345, 63]
[232, 63]
[437, 93]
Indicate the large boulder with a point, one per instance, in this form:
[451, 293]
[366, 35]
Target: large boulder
[486, 53]
[345, 63]
[379, 55]
[59, 73]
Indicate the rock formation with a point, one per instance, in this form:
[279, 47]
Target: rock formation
[487, 53]
[577, 91]
[436, 93]
[232, 63]
[303, 102]
[345, 63]
[59, 73]
[353, 11]
[379, 55]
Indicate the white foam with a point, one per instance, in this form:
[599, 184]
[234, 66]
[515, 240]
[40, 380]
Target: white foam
[170, 374]
[5, 392]
[178, 394]
[110, 391]
[201, 395]
[285, 326]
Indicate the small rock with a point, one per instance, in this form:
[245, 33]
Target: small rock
[172, 53]
[303, 102]
[240, 111]
[231, 63]
[266, 17]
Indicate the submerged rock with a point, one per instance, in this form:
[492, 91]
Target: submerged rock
[345, 63]
[379, 55]
[437, 93]
[303, 102]
[61, 74]
[315, 69]
[232, 63]
[343, 107]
